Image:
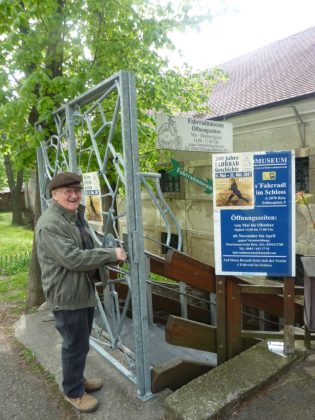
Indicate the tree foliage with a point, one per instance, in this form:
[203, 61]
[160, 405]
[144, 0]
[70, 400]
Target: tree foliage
[3, 181]
[53, 50]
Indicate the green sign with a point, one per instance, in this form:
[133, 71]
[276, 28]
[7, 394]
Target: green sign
[177, 170]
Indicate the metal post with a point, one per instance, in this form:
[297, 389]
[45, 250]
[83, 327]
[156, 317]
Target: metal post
[135, 233]
[73, 166]
[262, 325]
[289, 307]
[183, 300]
[213, 313]
[41, 178]
[149, 291]
[127, 174]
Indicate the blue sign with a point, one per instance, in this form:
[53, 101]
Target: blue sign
[261, 240]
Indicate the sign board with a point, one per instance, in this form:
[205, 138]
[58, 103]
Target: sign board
[92, 200]
[178, 171]
[254, 213]
[193, 135]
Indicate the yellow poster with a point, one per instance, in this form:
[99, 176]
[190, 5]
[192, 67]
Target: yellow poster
[92, 198]
[233, 181]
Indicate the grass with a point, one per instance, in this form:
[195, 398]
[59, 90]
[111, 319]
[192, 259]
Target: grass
[30, 359]
[14, 240]
[14, 288]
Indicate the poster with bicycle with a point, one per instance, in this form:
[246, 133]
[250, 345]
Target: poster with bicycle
[255, 234]
[233, 180]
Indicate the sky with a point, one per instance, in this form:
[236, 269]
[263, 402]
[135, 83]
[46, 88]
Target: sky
[246, 26]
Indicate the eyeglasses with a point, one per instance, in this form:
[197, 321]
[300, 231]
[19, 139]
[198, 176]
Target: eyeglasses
[70, 191]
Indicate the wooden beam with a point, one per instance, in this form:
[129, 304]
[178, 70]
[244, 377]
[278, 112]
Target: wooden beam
[259, 289]
[233, 318]
[167, 306]
[187, 333]
[182, 267]
[177, 373]
[269, 290]
[288, 317]
[273, 335]
[157, 264]
[272, 304]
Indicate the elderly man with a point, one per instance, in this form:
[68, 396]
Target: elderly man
[69, 262]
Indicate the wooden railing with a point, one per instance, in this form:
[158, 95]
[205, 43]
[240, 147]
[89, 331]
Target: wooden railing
[227, 339]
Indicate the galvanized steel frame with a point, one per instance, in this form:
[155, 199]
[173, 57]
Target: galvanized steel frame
[59, 153]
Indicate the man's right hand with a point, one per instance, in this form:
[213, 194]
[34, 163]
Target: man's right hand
[121, 255]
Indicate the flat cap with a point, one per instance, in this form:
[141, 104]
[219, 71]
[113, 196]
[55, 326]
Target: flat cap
[66, 179]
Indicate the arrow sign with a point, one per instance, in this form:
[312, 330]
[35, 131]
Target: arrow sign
[177, 170]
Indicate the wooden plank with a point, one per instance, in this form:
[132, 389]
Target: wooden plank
[233, 318]
[182, 267]
[187, 333]
[157, 264]
[177, 373]
[273, 335]
[288, 315]
[268, 290]
[165, 306]
[272, 290]
[272, 304]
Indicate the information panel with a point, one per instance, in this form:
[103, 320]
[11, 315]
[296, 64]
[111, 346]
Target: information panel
[254, 228]
[192, 134]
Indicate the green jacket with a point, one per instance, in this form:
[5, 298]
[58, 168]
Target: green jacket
[63, 261]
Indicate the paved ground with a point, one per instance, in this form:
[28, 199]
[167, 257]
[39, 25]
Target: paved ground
[291, 397]
[118, 398]
[26, 393]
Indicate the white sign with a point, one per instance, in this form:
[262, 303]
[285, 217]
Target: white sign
[193, 135]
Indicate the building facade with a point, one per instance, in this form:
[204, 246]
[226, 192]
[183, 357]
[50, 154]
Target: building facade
[269, 98]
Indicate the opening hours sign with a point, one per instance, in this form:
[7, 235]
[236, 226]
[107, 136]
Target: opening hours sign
[254, 213]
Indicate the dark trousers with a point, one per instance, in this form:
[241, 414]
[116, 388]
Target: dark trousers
[75, 328]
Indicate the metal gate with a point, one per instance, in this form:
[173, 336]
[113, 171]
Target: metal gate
[99, 130]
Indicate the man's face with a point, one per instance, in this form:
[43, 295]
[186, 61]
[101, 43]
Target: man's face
[67, 197]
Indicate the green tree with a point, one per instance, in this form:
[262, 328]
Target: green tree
[53, 50]
[3, 180]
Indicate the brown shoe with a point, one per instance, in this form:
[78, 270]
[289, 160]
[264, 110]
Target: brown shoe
[85, 404]
[93, 384]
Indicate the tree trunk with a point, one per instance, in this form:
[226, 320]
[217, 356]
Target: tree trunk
[15, 190]
[35, 295]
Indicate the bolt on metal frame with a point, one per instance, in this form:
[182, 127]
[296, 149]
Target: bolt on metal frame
[98, 131]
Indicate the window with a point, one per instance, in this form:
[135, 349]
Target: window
[173, 242]
[169, 183]
[302, 174]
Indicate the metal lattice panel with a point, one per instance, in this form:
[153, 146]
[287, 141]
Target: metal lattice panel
[97, 131]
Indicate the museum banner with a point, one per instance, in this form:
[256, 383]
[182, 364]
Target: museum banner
[254, 213]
